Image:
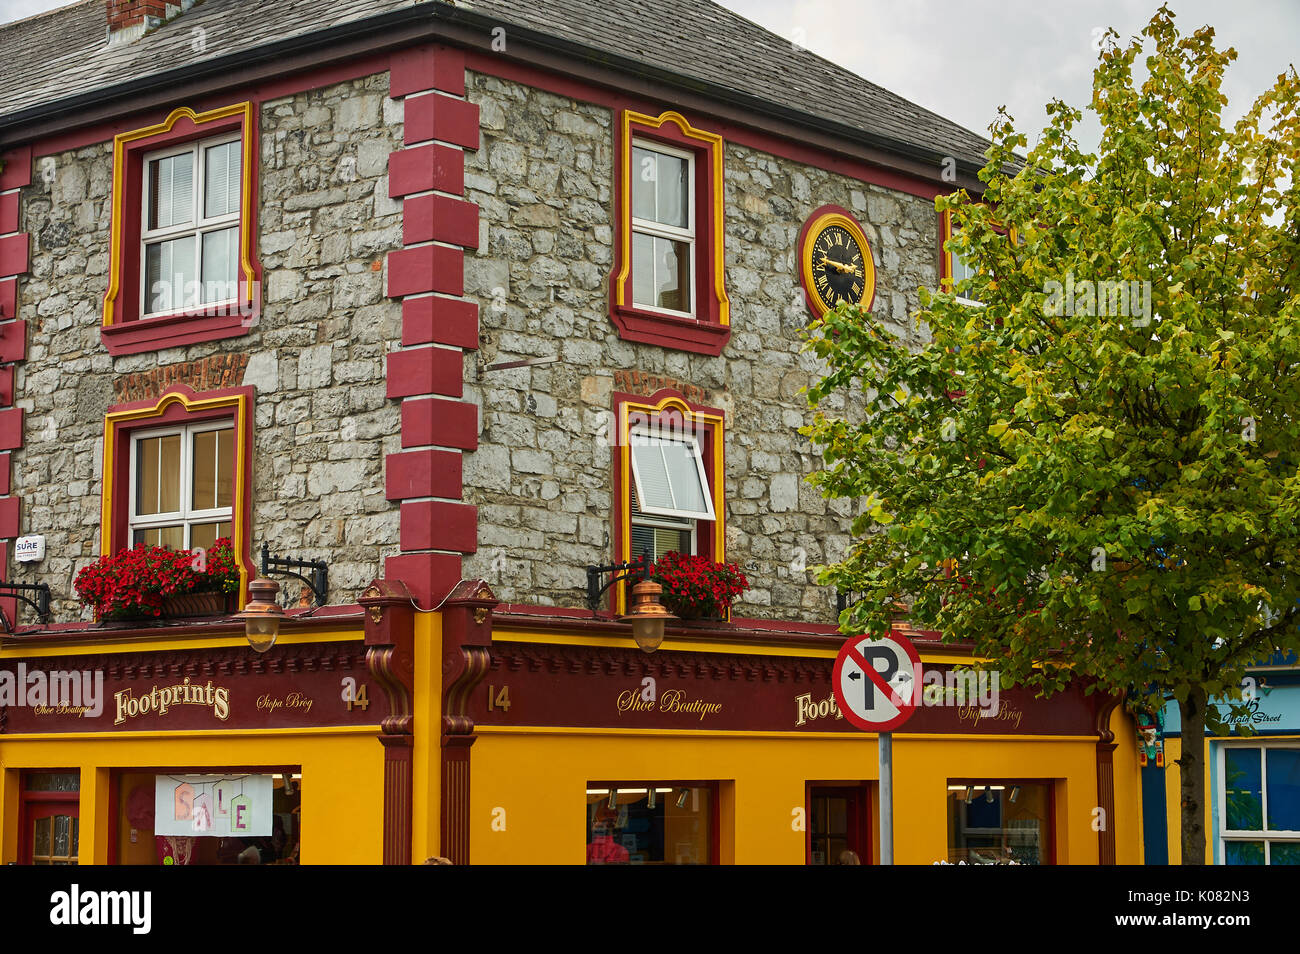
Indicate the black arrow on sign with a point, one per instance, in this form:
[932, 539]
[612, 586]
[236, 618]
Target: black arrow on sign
[855, 675]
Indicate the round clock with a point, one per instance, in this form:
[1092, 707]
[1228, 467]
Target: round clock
[835, 261]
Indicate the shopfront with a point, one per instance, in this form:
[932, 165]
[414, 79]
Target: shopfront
[1252, 775]
[726, 746]
[150, 748]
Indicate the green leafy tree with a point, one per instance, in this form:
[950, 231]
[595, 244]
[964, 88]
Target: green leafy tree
[1082, 479]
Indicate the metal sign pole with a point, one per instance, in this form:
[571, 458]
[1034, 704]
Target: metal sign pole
[886, 748]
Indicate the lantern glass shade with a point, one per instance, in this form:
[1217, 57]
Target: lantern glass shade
[262, 615]
[647, 615]
[648, 633]
[261, 632]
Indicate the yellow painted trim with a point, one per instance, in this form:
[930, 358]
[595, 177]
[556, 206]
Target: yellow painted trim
[714, 143]
[772, 645]
[625, 476]
[192, 733]
[761, 734]
[819, 225]
[97, 645]
[242, 437]
[118, 217]
[945, 263]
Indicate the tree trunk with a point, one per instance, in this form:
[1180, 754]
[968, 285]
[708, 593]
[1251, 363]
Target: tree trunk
[1192, 783]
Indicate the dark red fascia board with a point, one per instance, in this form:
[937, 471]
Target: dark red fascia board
[443, 23]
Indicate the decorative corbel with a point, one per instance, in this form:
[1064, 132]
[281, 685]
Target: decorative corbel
[390, 649]
[466, 650]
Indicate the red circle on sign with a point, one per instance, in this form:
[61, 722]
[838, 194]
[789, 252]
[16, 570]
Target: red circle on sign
[905, 711]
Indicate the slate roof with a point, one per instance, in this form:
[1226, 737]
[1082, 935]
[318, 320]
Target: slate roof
[64, 53]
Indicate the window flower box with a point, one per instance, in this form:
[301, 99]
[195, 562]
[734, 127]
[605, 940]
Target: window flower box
[697, 588]
[147, 582]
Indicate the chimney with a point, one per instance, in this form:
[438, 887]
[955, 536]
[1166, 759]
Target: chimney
[130, 19]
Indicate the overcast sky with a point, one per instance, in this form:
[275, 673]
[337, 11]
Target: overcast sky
[964, 58]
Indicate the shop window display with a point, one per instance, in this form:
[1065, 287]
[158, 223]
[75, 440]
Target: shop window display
[999, 822]
[650, 823]
[199, 813]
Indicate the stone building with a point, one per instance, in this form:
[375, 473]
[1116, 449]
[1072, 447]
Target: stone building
[467, 301]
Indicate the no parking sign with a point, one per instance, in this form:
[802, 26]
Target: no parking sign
[877, 681]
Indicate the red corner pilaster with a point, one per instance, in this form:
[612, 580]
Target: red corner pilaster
[426, 67]
[438, 525]
[433, 319]
[440, 423]
[438, 325]
[390, 660]
[425, 371]
[466, 658]
[11, 428]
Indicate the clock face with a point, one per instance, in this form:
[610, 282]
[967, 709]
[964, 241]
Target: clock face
[840, 270]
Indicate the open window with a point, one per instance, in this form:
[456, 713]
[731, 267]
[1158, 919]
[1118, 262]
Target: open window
[670, 493]
[668, 480]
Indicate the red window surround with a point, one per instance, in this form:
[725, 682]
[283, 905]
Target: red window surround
[123, 331]
[179, 406]
[710, 329]
[672, 413]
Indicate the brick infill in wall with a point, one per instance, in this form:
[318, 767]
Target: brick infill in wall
[438, 325]
[14, 262]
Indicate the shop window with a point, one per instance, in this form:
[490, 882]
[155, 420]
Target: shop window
[1259, 804]
[220, 818]
[838, 828]
[176, 473]
[668, 467]
[651, 823]
[667, 287]
[49, 818]
[1000, 822]
[182, 265]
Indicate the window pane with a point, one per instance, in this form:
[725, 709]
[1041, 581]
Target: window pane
[42, 840]
[651, 473]
[211, 476]
[158, 475]
[994, 829]
[1283, 789]
[62, 831]
[219, 254]
[683, 477]
[1284, 853]
[53, 782]
[643, 269]
[674, 192]
[221, 189]
[1244, 852]
[672, 274]
[169, 274]
[644, 174]
[173, 538]
[676, 830]
[203, 534]
[1242, 789]
[171, 191]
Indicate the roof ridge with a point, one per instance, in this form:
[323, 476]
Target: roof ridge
[44, 13]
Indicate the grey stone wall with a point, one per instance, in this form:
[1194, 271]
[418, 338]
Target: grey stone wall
[322, 422]
[541, 477]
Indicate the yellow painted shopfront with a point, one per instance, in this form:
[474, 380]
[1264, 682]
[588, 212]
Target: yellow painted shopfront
[723, 747]
[184, 746]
